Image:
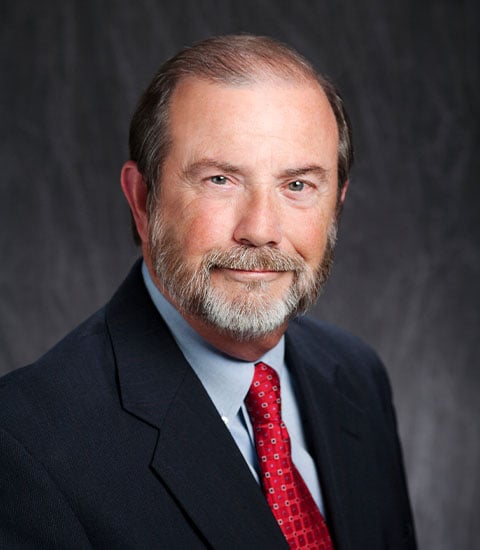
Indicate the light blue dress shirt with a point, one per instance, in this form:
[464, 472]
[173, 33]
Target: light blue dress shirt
[227, 381]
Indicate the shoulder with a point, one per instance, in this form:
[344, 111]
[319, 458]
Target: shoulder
[339, 356]
[79, 362]
[339, 344]
[84, 340]
[48, 390]
[74, 388]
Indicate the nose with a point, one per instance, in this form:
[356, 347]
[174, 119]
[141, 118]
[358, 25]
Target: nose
[258, 219]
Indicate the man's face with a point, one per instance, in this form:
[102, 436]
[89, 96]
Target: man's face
[242, 236]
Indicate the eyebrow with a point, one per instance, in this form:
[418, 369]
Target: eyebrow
[304, 170]
[193, 169]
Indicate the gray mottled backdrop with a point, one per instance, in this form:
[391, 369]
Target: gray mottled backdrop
[408, 266]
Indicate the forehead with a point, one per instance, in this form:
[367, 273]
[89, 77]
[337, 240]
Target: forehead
[268, 115]
[195, 94]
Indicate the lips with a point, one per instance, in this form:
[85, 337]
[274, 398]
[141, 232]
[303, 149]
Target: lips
[254, 270]
[250, 276]
[254, 260]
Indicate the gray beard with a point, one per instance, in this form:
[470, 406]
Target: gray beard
[251, 314]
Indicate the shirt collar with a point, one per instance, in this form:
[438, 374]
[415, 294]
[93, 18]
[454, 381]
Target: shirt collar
[226, 379]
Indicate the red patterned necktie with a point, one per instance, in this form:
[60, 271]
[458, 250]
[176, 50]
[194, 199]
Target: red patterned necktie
[287, 494]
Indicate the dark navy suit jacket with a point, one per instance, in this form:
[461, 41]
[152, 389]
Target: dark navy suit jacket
[110, 441]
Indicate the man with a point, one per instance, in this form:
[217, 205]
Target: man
[194, 410]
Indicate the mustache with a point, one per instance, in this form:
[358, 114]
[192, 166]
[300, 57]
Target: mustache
[248, 258]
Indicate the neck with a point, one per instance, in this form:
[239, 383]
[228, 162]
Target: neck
[246, 350]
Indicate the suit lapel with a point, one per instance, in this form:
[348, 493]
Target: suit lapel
[195, 457]
[336, 433]
[201, 464]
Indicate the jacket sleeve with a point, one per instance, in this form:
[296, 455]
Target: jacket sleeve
[33, 512]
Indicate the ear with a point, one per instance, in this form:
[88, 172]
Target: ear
[135, 191]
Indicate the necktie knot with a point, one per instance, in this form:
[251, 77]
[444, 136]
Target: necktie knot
[263, 400]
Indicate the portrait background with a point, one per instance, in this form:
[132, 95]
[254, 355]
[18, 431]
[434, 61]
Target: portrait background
[407, 271]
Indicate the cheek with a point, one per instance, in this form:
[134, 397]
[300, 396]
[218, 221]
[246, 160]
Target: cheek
[202, 228]
[309, 238]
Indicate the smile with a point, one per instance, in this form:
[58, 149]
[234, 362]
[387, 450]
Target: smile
[242, 275]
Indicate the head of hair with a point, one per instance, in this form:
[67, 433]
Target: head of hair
[233, 60]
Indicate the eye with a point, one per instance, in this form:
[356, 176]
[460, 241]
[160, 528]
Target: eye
[219, 180]
[296, 185]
